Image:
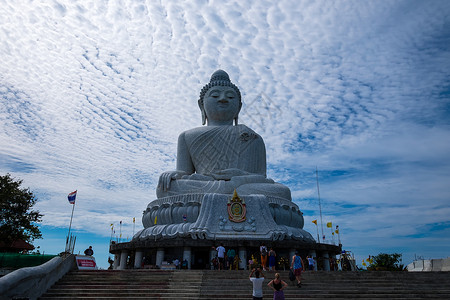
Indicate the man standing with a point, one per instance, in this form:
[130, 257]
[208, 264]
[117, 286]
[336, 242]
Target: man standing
[89, 251]
[257, 283]
[221, 256]
[310, 263]
[230, 257]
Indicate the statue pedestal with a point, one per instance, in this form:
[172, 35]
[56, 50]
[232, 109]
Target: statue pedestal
[189, 227]
[210, 216]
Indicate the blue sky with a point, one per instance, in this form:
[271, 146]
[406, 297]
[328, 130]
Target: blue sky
[94, 94]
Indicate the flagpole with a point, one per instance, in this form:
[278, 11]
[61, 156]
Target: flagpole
[320, 205]
[112, 229]
[332, 234]
[71, 217]
[120, 232]
[339, 234]
[318, 239]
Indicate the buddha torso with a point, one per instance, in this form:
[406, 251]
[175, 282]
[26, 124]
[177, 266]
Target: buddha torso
[215, 148]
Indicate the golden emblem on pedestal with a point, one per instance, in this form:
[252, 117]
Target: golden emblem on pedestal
[236, 208]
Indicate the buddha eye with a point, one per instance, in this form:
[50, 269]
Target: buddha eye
[214, 94]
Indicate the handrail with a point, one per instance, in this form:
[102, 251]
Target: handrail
[32, 282]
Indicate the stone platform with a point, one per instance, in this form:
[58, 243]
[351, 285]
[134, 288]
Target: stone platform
[189, 227]
[206, 216]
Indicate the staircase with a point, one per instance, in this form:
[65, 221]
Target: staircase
[209, 284]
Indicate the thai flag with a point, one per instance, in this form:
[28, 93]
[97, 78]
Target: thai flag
[71, 197]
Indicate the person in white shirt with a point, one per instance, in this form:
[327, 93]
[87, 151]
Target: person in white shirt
[221, 256]
[257, 283]
[311, 263]
[264, 252]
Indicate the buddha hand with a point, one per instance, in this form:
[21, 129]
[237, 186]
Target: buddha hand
[167, 177]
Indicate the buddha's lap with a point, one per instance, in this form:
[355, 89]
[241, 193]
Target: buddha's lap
[268, 188]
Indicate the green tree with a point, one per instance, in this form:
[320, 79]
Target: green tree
[386, 262]
[17, 219]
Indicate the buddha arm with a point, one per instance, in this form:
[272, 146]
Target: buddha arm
[184, 161]
[184, 165]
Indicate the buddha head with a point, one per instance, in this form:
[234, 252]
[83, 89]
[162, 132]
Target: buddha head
[220, 100]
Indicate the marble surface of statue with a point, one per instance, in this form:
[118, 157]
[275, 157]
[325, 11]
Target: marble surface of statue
[220, 157]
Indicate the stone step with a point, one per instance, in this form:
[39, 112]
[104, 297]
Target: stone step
[210, 284]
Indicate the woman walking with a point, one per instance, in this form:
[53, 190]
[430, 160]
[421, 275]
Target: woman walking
[297, 266]
[272, 259]
[277, 286]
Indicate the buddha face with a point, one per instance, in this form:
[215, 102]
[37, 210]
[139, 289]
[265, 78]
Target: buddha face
[221, 104]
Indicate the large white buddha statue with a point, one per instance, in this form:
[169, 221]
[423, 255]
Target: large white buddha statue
[213, 162]
[220, 157]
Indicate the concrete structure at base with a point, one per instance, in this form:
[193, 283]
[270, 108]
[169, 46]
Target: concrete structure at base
[219, 193]
[430, 265]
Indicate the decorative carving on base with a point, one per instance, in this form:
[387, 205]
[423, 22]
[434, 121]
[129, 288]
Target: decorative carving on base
[197, 215]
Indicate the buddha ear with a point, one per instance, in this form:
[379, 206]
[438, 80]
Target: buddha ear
[203, 117]
[237, 115]
[202, 109]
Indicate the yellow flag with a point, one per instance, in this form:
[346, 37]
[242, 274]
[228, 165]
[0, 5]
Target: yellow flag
[112, 225]
[134, 220]
[315, 222]
[337, 231]
[156, 218]
[329, 224]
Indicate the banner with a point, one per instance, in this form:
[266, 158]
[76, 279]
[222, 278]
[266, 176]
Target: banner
[85, 262]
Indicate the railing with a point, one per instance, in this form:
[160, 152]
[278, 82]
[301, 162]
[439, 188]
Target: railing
[32, 282]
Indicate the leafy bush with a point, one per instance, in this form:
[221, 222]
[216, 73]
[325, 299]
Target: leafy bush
[386, 262]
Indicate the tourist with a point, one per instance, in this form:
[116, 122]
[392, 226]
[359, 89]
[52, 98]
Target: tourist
[277, 286]
[311, 263]
[214, 260]
[221, 256]
[176, 263]
[89, 251]
[214, 263]
[230, 257]
[185, 264]
[250, 264]
[257, 282]
[272, 259]
[236, 262]
[297, 266]
[263, 251]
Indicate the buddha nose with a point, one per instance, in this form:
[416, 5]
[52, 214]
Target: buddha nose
[222, 98]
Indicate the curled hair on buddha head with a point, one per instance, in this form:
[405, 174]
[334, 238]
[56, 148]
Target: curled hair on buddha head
[218, 78]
